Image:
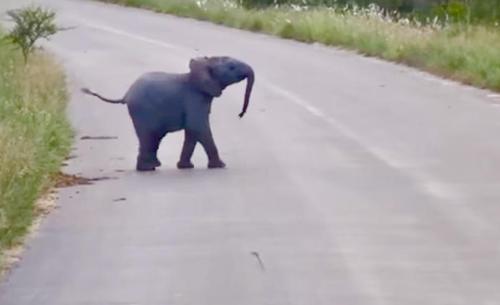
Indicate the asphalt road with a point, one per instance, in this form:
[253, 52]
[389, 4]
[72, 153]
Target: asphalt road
[351, 181]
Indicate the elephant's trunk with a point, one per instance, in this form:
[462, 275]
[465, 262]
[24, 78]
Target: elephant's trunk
[250, 76]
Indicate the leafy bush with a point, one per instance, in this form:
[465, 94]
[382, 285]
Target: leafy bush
[31, 24]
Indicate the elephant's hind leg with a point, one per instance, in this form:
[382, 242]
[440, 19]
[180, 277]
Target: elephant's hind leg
[148, 148]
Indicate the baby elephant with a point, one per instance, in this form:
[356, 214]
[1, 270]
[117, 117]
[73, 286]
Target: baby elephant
[159, 103]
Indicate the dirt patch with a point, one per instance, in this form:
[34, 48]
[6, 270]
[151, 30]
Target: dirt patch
[65, 180]
[9, 258]
[71, 157]
[12, 256]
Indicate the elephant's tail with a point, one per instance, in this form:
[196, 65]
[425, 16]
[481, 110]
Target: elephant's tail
[90, 92]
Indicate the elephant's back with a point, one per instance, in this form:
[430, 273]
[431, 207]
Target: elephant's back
[153, 87]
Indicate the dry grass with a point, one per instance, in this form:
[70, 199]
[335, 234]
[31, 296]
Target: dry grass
[34, 137]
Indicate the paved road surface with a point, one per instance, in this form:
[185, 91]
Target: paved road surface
[351, 181]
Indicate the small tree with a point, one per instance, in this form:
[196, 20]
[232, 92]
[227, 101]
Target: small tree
[31, 24]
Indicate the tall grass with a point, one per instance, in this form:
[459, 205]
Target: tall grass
[477, 11]
[468, 53]
[34, 136]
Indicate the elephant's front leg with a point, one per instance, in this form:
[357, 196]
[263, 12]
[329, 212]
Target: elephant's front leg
[187, 150]
[207, 141]
[198, 124]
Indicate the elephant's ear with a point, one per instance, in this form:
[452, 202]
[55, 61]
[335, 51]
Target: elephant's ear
[202, 77]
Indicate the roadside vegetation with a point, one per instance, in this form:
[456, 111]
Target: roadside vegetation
[35, 136]
[458, 39]
[30, 25]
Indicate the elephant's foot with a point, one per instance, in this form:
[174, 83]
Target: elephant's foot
[156, 162]
[216, 164]
[147, 165]
[185, 165]
[142, 167]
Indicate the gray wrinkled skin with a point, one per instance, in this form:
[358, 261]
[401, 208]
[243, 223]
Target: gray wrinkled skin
[159, 103]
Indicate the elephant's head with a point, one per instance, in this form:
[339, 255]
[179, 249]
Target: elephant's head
[213, 74]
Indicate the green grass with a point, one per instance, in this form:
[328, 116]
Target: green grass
[467, 53]
[35, 137]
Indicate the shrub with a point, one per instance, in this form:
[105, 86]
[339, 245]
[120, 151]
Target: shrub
[31, 24]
